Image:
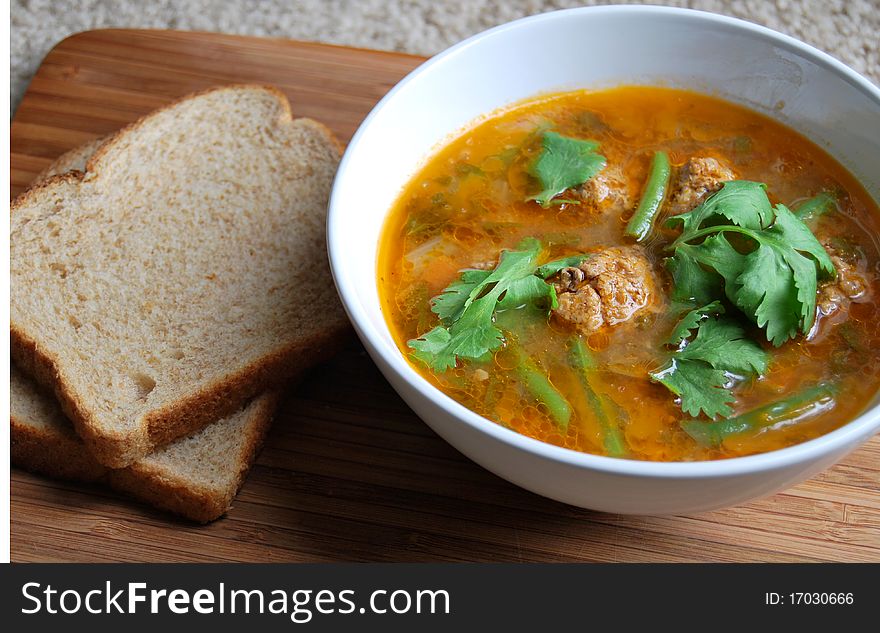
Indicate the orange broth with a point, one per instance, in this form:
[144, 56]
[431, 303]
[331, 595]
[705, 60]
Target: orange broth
[469, 201]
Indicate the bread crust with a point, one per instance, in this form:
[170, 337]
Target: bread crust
[183, 417]
[71, 160]
[198, 503]
[51, 454]
[63, 457]
[193, 412]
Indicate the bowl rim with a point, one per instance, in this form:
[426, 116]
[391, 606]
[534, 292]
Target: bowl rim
[851, 433]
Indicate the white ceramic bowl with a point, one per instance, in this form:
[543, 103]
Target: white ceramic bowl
[588, 48]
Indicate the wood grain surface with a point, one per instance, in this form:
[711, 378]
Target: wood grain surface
[349, 472]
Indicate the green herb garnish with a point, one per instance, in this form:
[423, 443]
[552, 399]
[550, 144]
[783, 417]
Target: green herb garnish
[564, 163]
[691, 321]
[771, 274]
[545, 271]
[701, 372]
[467, 306]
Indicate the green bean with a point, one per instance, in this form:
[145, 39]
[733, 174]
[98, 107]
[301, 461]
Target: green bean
[798, 406]
[652, 198]
[537, 383]
[816, 207]
[612, 438]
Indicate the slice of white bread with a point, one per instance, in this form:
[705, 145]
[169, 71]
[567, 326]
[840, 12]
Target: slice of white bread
[73, 160]
[181, 274]
[196, 476]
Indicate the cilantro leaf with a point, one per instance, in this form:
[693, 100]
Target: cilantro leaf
[458, 295]
[471, 336]
[743, 202]
[723, 344]
[700, 373]
[433, 349]
[449, 304]
[564, 163]
[790, 229]
[699, 386]
[551, 268]
[759, 284]
[775, 283]
[766, 291]
[718, 254]
[467, 307]
[691, 282]
[695, 283]
[691, 321]
[528, 290]
[779, 279]
[512, 265]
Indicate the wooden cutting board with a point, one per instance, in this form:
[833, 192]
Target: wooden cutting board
[349, 473]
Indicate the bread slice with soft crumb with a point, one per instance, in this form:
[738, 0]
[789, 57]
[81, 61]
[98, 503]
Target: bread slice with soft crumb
[181, 273]
[195, 476]
[43, 440]
[72, 160]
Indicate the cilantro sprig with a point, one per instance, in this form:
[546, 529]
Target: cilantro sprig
[706, 364]
[691, 321]
[771, 274]
[564, 163]
[467, 307]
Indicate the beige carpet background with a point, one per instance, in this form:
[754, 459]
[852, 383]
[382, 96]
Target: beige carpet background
[847, 29]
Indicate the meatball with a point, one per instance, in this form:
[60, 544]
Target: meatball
[606, 190]
[610, 287]
[849, 284]
[696, 178]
